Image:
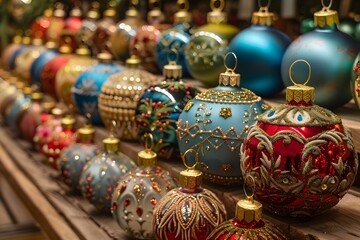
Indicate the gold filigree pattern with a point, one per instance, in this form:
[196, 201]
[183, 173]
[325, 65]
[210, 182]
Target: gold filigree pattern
[239, 97]
[225, 112]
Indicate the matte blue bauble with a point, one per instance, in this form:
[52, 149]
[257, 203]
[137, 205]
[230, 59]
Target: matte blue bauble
[214, 125]
[331, 54]
[88, 87]
[39, 63]
[259, 50]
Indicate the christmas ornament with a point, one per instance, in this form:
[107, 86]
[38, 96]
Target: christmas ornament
[60, 140]
[143, 44]
[189, 212]
[301, 156]
[39, 63]
[57, 24]
[10, 49]
[175, 38]
[11, 96]
[347, 26]
[25, 43]
[355, 83]
[119, 96]
[259, 50]
[307, 25]
[206, 49]
[51, 68]
[41, 24]
[137, 194]
[357, 31]
[247, 224]
[71, 26]
[125, 31]
[67, 75]
[214, 124]
[99, 177]
[73, 159]
[331, 52]
[26, 58]
[88, 86]
[159, 108]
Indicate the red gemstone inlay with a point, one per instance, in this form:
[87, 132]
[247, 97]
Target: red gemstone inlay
[114, 206]
[139, 211]
[127, 202]
[153, 201]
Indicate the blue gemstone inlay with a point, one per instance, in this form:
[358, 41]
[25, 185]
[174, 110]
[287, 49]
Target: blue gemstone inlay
[299, 118]
[271, 114]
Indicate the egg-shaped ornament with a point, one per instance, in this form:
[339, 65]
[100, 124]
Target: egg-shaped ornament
[125, 31]
[301, 156]
[207, 47]
[100, 174]
[71, 26]
[189, 212]
[52, 67]
[175, 38]
[26, 58]
[57, 24]
[60, 140]
[119, 97]
[260, 50]
[247, 224]
[214, 124]
[331, 53]
[355, 83]
[68, 74]
[74, 158]
[88, 86]
[137, 194]
[39, 63]
[41, 24]
[159, 108]
[10, 49]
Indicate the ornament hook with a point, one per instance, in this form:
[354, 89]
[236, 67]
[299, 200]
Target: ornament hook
[149, 140]
[220, 5]
[290, 72]
[264, 8]
[201, 164]
[249, 176]
[174, 52]
[326, 8]
[228, 69]
[183, 5]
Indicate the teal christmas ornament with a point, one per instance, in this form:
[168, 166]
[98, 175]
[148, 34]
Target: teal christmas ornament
[159, 108]
[214, 125]
[331, 53]
[88, 86]
[100, 175]
[260, 50]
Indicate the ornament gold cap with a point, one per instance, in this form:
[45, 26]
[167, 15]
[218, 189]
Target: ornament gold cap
[111, 144]
[133, 62]
[93, 14]
[217, 15]
[60, 13]
[191, 178]
[104, 57]
[147, 158]
[248, 210]
[82, 51]
[48, 106]
[182, 15]
[20, 85]
[67, 122]
[263, 16]
[37, 42]
[172, 69]
[37, 96]
[65, 49]
[300, 93]
[75, 12]
[27, 91]
[86, 133]
[132, 12]
[17, 39]
[57, 112]
[110, 11]
[26, 40]
[48, 12]
[51, 44]
[229, 77]
[326, 17]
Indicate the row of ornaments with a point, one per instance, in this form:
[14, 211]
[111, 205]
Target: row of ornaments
[138, 197]
[264, 53]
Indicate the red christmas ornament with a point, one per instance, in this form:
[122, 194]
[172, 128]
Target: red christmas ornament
[41, 25]
[301, 156]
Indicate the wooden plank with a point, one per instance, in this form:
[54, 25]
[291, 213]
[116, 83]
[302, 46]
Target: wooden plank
[21, 232]
[5, 217]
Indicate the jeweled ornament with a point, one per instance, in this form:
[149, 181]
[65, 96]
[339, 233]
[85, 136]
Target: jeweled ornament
[68, 74]
[260, 50]
[100, 175]
[88, 86]
[137, 194]
[119, 97]
[125, 31]
[51, 68]
[331, 53]
[302, 158]
[175, 38]
[355, 83]
[247, 224]
[74, 158]
[60, 140]
[214, 124]
[160, 106]
[189, 212]
[41, 24]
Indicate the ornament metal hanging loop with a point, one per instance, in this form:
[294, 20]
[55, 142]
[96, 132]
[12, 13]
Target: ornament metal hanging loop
[249, 197]
[217, 8]
[174, 61]
[149, 138]
[264, 8]
[197, 162]
[228, 69]
[183, 5]
[326, 8]
[290, 72]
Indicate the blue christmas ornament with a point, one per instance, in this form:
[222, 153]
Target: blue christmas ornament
[214, 125]
[100, 175]
[259, 50]
[331, 53]
[74, 158]
[88, 86]
[159, 108]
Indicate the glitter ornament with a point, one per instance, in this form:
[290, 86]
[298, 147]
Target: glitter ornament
[100, 175]
[300, 155]
[189, 212]
[214, 124]
[137, 194]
